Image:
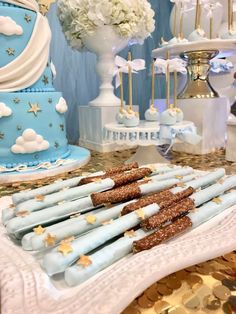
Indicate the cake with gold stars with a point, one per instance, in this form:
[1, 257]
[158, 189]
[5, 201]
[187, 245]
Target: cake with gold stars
[32, 113]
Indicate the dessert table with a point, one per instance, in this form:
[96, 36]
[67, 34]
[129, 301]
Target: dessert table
[174, 288]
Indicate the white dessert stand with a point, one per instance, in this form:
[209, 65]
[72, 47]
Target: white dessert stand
[78, 158]
[145, 136]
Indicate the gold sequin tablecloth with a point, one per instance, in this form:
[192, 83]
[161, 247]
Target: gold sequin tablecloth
[206, 288]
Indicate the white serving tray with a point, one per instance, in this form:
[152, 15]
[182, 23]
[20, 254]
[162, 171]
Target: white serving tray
[25, 287]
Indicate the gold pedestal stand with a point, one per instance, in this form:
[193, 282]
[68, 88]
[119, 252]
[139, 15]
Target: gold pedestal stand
[198, 66]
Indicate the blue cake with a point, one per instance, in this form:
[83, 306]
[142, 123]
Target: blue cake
[32, 113]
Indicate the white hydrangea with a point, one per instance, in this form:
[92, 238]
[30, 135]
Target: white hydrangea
[132, 19]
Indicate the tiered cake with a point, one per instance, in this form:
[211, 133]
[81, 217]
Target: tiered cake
[32, 122]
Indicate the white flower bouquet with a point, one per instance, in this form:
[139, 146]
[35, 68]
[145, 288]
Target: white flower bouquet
[133, 19]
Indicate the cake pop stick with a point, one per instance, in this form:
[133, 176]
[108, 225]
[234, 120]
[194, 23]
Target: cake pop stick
[229, 15]
[153, 85]
[130, 83]
[181, 36]
[56, 262]
[198, 15]
[84, 190]
[121, 92]
[191, 221]
[168, 81]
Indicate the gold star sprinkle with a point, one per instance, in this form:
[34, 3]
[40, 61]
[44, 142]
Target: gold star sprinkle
[140, 213]
[34, 108]
[16, 100]
[10, 51]
[68, 240]
[39, 230]
[44, 6]
[28, 18]
[50, 240]
[108, 222]
[91, 219]
[217, 200]
[179, 177]
[84, 261]
[2, 136]
[39, 198]
[23, 213]
[45, 80]
[129, 234]
[65, 248]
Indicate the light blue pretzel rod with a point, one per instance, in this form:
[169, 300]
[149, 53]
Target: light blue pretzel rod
[54, 262]
[76, 227]
[110, 254]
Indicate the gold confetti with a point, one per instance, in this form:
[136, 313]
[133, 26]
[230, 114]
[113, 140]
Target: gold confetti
[39, 230]
[50, 240]
[23, 213]
[84, 261]
[217, 200]
[39, 198]
[65, 248]
[91, 219]
[130, 234]
[140, 213]
[179, 177]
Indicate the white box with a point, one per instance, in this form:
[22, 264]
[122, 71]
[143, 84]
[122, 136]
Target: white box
[92, 120]
[210, 117]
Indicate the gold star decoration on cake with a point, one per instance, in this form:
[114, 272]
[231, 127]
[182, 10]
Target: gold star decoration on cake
[45, 80]
[50, 100]
[39, 230]
[140, 213]
[65, 248]
[10, 51]
[34, 108]
[16, 100]
[129, 234]
[2, 136]
[91, 219]
[28, 18]
[39, 198]
[84, 261]
[217, 200]
[50, 240]
[62, 127]
[23, 213]
[44, 6]
[56, 145]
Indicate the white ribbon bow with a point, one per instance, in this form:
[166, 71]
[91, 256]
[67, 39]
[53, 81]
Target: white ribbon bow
[175, 65]
[122, 66]
[211, 7]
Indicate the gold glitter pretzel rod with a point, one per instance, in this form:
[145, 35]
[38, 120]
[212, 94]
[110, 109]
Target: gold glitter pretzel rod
[110, 172]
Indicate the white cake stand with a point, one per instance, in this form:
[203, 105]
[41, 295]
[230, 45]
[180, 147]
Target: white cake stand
[145, 136]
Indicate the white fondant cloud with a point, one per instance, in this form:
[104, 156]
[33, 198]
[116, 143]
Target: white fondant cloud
[4, 110]
[9, 27]
[61, 107]
[30, 142]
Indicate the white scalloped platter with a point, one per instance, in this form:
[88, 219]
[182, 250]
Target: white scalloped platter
[25, 287]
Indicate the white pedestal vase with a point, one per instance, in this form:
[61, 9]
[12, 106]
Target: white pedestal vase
[105, 42]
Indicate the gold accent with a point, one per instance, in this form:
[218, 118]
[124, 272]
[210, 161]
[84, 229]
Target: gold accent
[44, 6]
[91, 219]
[84, 261]
[28, 18]
[10, 51]
[198, 85]
[140, 213]
[217, 200]
[130, 84]
[129, 234]
[121, 93]
[45, 80]
[23, 213]
[39, 198]
[34, 108]
[65, 248]
[50, 240]
[39, 230]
